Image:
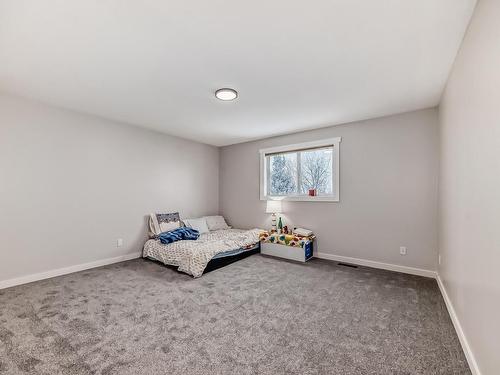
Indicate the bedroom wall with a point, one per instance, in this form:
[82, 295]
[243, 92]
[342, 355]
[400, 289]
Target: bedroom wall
[388, 190]
[71, 185]
[470, 187]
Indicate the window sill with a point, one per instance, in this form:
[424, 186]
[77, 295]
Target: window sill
[303, 198]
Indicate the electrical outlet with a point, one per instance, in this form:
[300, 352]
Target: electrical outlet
[439, 259]
[119, 242]
[402, 250]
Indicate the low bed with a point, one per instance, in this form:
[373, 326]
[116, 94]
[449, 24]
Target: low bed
[209, 251]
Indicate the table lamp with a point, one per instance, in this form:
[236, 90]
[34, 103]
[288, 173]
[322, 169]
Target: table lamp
[274, 207]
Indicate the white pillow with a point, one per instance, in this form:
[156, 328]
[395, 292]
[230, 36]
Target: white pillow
[199, 224]
[216, 222]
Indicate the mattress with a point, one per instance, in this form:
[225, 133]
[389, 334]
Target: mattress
[192, 257]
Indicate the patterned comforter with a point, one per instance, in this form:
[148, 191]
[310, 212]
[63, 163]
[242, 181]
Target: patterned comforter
[192, 257]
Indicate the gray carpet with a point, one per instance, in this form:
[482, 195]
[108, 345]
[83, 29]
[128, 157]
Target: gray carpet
[257, 316]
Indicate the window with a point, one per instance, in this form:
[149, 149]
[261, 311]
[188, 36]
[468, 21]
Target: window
[290, 172]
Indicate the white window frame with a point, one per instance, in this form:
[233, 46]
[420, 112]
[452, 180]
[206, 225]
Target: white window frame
[335, 142]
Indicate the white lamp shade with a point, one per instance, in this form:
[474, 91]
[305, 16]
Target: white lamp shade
[274, 207]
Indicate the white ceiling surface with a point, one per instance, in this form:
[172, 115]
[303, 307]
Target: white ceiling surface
[297, 64]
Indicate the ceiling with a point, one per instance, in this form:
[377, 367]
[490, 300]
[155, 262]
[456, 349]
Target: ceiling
[297, 65]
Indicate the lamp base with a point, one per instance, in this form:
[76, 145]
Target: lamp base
[273, 222]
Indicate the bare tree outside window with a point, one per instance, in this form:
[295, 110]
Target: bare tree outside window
[316, 171]
[294, 173]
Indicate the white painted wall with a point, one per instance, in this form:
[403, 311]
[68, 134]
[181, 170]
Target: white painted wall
[388, 190]
[470, 186]
[71, 184]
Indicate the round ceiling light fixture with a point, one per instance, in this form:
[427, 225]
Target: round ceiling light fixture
[226, 94]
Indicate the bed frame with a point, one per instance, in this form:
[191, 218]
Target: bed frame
[226, 260]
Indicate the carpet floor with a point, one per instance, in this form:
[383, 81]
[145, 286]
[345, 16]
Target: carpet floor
[257, 316]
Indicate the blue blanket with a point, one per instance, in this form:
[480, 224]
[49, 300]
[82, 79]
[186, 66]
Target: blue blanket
[178, 234]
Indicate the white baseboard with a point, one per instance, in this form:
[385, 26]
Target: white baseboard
[63, 271]
[374, 264]
[471, 360]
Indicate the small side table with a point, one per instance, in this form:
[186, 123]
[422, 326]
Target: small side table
[287, 246]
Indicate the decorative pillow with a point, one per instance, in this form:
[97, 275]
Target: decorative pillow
[216, 222]
[159, 223]
[167, 226]
[200, 224]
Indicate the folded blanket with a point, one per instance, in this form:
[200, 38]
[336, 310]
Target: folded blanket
[178, 234]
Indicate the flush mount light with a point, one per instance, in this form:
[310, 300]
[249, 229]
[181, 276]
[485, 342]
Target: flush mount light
[226, 94]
